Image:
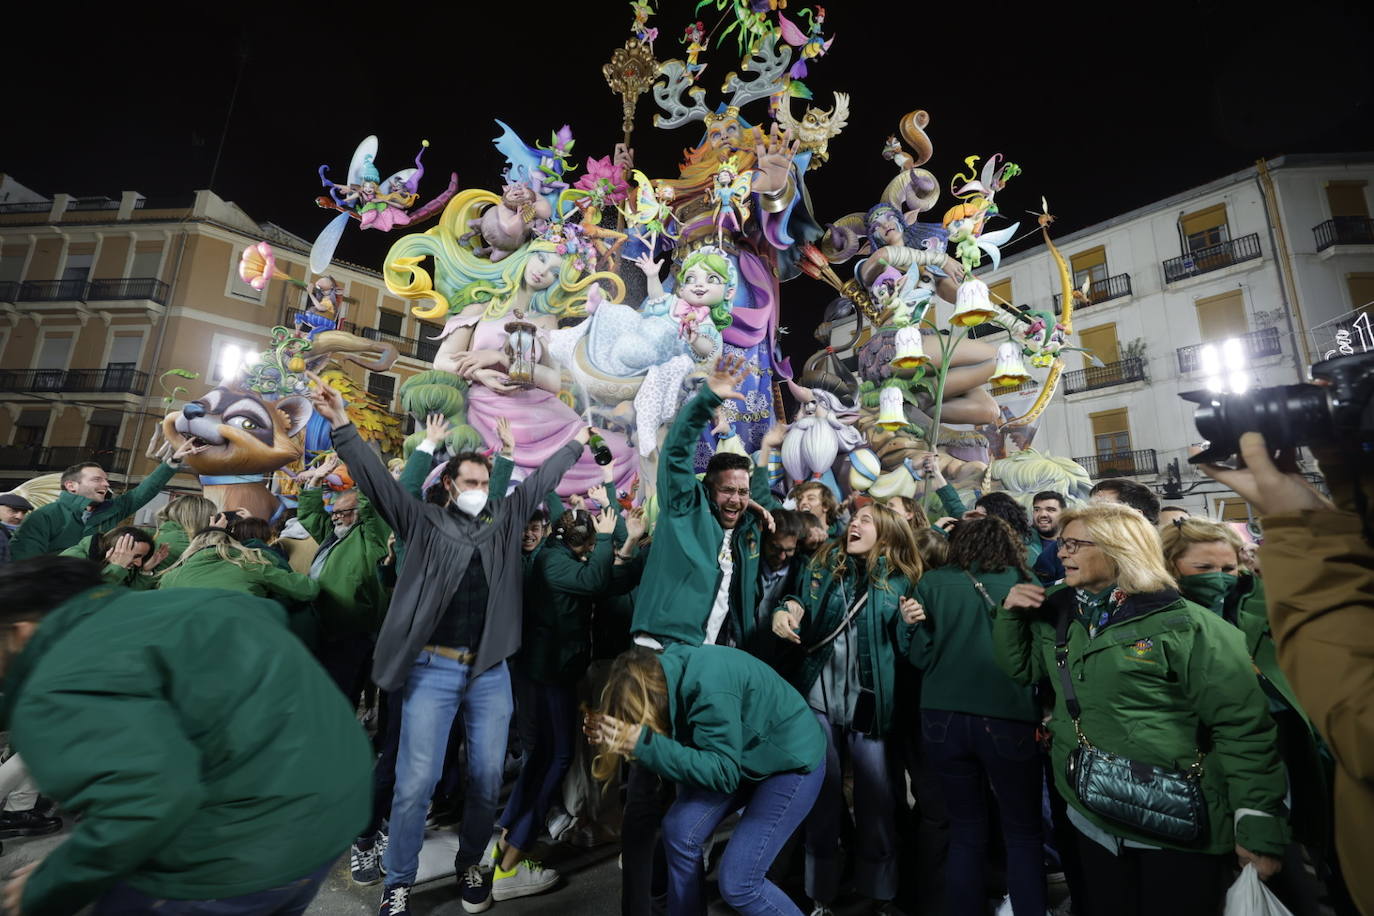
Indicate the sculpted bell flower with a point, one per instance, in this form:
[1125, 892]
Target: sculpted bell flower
[973, 306]
[1010, 370]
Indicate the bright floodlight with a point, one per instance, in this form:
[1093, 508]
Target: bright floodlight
[1239, 382]
[1211, 364]
[1233, 354]
[229, 360]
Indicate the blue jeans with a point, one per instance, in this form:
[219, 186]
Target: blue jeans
[875, 817]
[288, 900]
[773, 809]
[546, 763]
[436, 688]
[970, 753]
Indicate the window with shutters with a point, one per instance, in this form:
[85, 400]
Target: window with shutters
[389, 322]
[1111, 433]
[382, 387]
[1347, 199]
[32, 426]
[1220, 317]
[1361, 288]
[147, 259]
[1205, 228]
[1100, 342]
[1089, 266]
[1000, 292]
[102, 433]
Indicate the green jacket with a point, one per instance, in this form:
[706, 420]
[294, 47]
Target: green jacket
[204, 569]
[351, 598]
[1240, 601]
[58, 525]
[1159, 671]
[683, 572]
[882, 635]
[953, 647]
[733, 719]
[176, 539]
[132, 579]
[184, 792]
[557, 645]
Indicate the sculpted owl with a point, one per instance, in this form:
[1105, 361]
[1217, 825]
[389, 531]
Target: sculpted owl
[816, 126]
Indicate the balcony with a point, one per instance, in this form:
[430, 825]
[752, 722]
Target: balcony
[418, 348]
[1214, 257]
[1344, 230]
[1119, 373]
[1140, 463]
[1100, 291]
[86, 381]
[1029, 385]
[149, 288]
[1255, 345]
[59, 458]
[9, 291]
[53, 291]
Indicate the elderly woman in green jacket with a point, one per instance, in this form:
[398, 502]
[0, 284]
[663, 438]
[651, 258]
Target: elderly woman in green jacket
[850, 623]
[213, 559]
[1160, 682]
[731, 734]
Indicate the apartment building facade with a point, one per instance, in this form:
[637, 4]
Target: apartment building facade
[100, 298]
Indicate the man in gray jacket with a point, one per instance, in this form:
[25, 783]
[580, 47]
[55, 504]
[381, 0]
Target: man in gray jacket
[454, 619]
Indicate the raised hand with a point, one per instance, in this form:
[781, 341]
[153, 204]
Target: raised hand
[185, 451]
[158, 446]
[774, 157]
[123, 553]
[506, 435]
[636, 524]
[773, 439]
[729, 374]
[764, 515]
[615, 736]
[436, 428]
[1024, 597]
[604, 521]
[646, 263]
[328, 402]
[159, 555]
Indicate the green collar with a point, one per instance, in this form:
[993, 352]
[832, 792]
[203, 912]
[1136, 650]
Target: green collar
[72, 503]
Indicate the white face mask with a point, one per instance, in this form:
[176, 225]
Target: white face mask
[471, 501]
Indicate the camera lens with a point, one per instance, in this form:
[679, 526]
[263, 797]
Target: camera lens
[1286, 415]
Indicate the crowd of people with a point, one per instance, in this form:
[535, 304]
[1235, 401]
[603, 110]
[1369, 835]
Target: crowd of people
[859, 703]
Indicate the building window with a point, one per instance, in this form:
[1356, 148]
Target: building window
[1231, 509]
[228, 356]
[53, 355]
[1361, 288]
[148, 260]
[1220, 317]
[389, 322]
[1100, 342]
[1347, 199]
[1089, 266]
[32, 426]
[382, 387]
[1111, 435]
[80, 259]
[1204, 228]
[12, 264]
[102, 433]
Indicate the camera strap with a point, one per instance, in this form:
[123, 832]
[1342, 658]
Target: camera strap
[853, 611]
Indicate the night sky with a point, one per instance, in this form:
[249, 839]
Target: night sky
[1104, 110]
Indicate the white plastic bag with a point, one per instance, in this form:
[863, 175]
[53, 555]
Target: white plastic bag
[1250, 897]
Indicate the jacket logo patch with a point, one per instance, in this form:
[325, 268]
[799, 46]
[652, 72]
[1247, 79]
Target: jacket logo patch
[1141, 650]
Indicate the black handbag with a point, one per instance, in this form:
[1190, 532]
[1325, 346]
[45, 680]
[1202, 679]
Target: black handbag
[1150, 800]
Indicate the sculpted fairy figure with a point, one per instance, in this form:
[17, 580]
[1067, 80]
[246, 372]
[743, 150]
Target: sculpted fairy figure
[540, 282]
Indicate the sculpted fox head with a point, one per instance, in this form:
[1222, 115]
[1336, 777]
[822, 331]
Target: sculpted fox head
[246, 434]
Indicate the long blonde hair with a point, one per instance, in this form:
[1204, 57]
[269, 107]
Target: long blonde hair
[895, 544]
[191, 512]
[1178, 536]
[636, 692]
[1130, 543]
[228, 550]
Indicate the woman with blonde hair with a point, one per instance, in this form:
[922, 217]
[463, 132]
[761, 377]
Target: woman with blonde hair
[850, 622]
[177, 520]
[730, 733]
[213, 559]
[1158, 693]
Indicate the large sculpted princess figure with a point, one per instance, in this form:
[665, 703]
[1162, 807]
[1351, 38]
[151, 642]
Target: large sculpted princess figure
[541, 282]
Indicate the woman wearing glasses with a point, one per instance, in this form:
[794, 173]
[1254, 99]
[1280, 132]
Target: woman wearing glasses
[1142, 674]
[853, 617]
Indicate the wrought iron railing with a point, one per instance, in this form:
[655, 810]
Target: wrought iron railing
[9, 291]
[405, 346]
[1118, 373]
[53, 291]
[113, 381]
[1255, 345]
[1213, 257]
[129, 288]
[1100, 291]
[1139, 463]
[1344, 230]
[1029, 385]
[28, 206]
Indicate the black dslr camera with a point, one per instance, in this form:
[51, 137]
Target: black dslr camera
[1340, 412]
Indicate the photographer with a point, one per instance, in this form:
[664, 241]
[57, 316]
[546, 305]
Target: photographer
[1319, 568]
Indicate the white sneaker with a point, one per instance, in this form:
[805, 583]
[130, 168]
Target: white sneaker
[525, 879]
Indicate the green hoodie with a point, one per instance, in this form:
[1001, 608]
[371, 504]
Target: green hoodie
[205, 569]
[733, 720]
[58, 525]
[205, 752]
[1158, 670]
